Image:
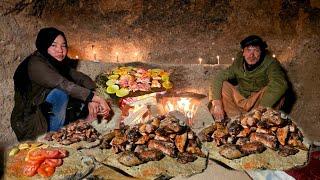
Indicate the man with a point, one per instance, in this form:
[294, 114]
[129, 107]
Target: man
[259, 77]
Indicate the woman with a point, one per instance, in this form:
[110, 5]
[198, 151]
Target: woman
[43, 85]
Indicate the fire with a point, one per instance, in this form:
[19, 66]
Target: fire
[185, 105]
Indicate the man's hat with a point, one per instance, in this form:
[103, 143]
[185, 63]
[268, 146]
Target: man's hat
[253, 40]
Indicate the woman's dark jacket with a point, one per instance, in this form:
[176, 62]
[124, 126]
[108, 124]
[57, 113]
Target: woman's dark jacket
[27, 119]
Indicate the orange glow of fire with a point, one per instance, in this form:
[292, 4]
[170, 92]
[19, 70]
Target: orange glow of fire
[186, 106]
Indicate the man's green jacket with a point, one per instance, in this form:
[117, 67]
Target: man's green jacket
[268, 74]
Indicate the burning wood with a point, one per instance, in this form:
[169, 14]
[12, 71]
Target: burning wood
[257, 130]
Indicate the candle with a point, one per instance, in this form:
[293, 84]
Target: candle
[200, 60]
[136, 55]
[117, 54]
[77, 57]
[273, 55]
[95, 56]
[218, 57]
[232, 59]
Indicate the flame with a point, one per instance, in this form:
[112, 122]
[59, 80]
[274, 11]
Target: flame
[187, 106]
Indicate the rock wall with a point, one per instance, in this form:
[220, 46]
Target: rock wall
[169, 32]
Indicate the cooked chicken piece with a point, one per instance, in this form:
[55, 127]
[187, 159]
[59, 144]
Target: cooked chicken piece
[244, 133]
[263, 124]
[295, 140]
[244, 120]
[118, 140]
[108, 136]
[242, 141]
[266, 139]
[180, 141]
[143, 139]
[129, 159]
[129, 147]
[184, 158]
[274, 129]
[117, 132]
[150, 155]
[287, 151]
[166, 147]
[264, 131]
[194, 148]
[282, 134]
[252, 147]
[257, 115]
[272, 117]
[156, 122]
[252, 121]
[161, 132]
[142, 128]
[172, 136]
[230, 151]
[231, 139]
[118, 148]
[234, 128]
[220, 141]
[140, 148]
[162, 138]
[173, 127]
[220, 133]
[206, 133]
[150, 128]
[133, 134]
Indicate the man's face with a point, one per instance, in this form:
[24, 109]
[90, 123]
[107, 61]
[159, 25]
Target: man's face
[251, 54]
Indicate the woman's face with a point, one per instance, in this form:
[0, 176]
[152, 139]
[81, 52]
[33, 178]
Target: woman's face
[58, 48]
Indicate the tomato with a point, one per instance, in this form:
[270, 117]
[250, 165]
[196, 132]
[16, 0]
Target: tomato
[30, 169]
[35, 162]
[36, 155]
[45, 171]
[52, 154]
[53, 162]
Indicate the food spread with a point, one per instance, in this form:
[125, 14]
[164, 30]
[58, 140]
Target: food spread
[124, 80]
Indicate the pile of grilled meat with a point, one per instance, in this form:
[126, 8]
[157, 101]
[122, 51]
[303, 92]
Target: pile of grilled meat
[151, 141]
[253, 132]
[74, 132]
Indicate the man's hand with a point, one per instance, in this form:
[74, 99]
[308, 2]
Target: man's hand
[217, 110]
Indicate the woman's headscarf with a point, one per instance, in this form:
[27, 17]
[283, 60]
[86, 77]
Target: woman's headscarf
[45, 38]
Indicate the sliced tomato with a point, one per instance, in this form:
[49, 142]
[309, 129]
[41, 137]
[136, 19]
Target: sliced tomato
[35, 162]
[45, 171]
[53, 162]
[30, 169]
[37, 155]
[52, 154]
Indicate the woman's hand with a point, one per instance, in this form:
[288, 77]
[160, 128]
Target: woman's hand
[104, 108]
[217, 110]
[93, 108]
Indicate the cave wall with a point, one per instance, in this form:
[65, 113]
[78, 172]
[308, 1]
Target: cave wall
[169, 32]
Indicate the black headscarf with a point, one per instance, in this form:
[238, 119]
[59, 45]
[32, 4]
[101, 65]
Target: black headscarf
[45, 38]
